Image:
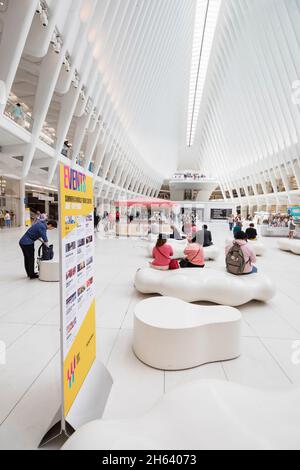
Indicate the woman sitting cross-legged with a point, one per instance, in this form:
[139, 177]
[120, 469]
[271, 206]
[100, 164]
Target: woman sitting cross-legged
[194, 253]
[162, 254]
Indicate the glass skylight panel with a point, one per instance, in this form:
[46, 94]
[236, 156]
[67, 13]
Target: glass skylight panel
[207, 12]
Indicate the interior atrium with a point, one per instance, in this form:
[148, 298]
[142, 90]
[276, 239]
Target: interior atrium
[150, 187]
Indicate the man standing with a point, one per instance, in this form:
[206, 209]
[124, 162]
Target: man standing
[38, 231]
[292, 228]
[231, 222]
[7, 219]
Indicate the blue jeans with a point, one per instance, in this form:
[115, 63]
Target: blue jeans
[254, 271]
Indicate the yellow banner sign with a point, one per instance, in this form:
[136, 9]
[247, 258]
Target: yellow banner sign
[77, 281]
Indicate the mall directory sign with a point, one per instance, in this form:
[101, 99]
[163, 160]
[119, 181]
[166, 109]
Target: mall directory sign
[78, 326]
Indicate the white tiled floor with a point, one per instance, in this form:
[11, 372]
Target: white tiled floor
[29, 325]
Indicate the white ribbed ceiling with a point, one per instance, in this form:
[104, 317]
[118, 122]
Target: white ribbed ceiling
[130, 113]
[144, 52]
[248, 129]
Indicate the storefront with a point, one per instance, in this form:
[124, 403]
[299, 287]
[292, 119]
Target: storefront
[43, 200]
[10, 200]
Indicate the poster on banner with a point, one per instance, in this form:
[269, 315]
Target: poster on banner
[78, 332]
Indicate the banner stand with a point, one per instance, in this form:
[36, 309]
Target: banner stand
[85, 382]
[89, 405]
[56, 430]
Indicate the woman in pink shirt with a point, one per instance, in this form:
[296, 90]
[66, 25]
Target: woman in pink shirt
[194, 256]
[162, 254]
[249, 255]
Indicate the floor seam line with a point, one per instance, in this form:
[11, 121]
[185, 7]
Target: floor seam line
[29, 387]
[276, 361]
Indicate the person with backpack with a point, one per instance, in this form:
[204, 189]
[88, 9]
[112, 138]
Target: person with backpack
[194, 256]
[162, 254]
[38, 231]
[240, 257]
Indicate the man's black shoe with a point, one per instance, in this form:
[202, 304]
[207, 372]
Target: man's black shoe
[36, 276]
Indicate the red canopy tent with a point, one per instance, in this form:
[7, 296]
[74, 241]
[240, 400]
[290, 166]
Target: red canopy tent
[145, 203]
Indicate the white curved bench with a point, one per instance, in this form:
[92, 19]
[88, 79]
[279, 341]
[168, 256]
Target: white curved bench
[290, 245]
[170, 334]
[49, 271]
[211, 253]
[211, 285]
[203, 415]
[258, 247]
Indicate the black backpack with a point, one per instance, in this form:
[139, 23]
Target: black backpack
[46, 253]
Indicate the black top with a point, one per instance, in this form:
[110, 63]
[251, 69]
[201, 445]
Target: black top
[251, 233]
[207, 238]
[203, 237]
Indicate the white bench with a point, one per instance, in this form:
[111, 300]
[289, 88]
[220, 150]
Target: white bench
[258, 247]
[290, 245]
[267, 231]
[170, 334]
[49, 271]
[211, 253]
[203, 415]
[211, 285]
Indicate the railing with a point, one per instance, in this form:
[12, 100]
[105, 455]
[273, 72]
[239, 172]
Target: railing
[48, 137]
[192, 179]
[20, 117]
[67, 152]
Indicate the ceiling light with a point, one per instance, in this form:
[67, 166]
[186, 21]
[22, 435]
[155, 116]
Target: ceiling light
[39, 8]
[207, 13]
[37, 186]
[44, 18]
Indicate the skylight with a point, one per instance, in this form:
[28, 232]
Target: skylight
[207, 12]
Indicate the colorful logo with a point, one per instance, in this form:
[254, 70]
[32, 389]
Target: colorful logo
[74, 180]
[71, 371]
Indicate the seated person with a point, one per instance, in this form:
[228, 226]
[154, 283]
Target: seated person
[238, 228]
[176, 233]
[194, 256]
[203, 237]
[207, 237]
[251, 232]
[162, 254]
[247, 250]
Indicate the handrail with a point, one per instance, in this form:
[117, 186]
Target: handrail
[47, 137]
